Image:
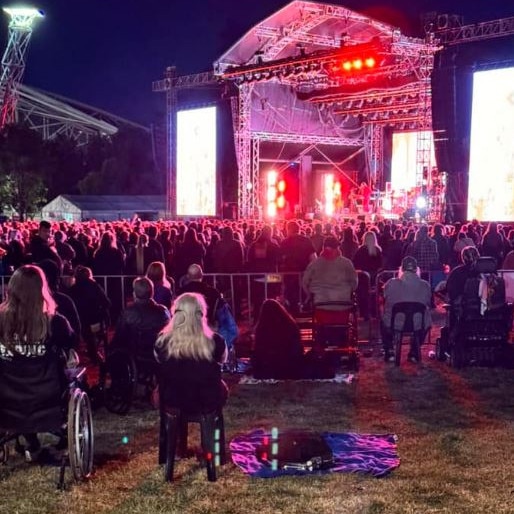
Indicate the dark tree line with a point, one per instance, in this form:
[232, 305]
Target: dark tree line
[34, 171]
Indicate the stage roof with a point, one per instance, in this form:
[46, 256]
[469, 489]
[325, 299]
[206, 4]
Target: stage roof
[314, 26]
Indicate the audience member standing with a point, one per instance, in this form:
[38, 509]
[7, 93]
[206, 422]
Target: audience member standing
[368, 258]
[190, 251]
[108, 261]
[162, 288]
[424, 250]
[296, 253]
[40, 248]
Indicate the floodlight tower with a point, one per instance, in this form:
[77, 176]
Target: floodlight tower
[13, 60]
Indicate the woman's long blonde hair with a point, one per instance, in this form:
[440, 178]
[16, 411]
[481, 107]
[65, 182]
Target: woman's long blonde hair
[370, 242]
[187, 335]
[156, 272]
[26, 313]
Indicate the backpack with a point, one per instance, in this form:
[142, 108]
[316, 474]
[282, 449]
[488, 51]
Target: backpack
[491, 291]
[225, 323]
[484, 292]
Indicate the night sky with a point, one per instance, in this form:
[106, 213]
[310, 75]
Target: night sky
[106, 53]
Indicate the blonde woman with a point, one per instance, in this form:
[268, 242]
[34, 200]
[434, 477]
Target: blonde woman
[369, 255]
[31, 334]
[191, 354]
[162, 288]
[367, 258]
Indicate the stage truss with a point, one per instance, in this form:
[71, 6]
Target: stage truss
[282, 72]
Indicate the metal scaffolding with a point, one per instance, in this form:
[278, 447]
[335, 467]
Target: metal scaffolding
[171, 85]
[13, 60]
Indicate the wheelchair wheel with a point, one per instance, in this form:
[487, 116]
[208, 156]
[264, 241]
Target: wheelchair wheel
[80, 435]
[119, 382]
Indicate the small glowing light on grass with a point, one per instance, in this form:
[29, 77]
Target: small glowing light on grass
[274, 448]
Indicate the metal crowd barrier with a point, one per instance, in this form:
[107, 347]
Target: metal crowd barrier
[245, 292]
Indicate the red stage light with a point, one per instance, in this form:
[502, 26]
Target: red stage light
[357, 64]
[281, 202]
[347, 65]
[281, 186]
[370, 62]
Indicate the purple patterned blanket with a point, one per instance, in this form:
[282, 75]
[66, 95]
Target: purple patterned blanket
[353, 453]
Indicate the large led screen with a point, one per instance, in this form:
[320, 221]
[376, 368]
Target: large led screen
[404, 158]
[196, 162]
[491, 160]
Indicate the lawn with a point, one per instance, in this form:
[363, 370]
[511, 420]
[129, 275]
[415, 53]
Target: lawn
[455, 439]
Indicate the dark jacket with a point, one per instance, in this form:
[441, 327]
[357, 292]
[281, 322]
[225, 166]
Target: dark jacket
[31, 385]
[194, 386]
[138, 326]
[40, 250]
[91, 301]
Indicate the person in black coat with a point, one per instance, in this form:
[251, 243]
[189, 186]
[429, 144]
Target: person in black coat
[39, 247]
[32, 337]
[92, 305]
[141, 322]
[65, 304]
[278, 352]
[190, 356]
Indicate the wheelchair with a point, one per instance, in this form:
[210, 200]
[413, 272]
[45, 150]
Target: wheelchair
[126, 370]
[476, 339]
[335, 331]
[472, 336]
[38, 395]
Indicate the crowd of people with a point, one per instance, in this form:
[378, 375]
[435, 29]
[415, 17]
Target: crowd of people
[188, 325]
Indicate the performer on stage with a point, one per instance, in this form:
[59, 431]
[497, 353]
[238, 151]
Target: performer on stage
[365, 192]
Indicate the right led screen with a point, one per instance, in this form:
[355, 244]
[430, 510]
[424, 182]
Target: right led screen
[491, 161]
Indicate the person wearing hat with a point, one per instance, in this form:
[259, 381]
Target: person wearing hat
[408, 287]
[330, 277]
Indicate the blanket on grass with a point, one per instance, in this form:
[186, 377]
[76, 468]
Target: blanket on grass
[343, 378]
[374, 454]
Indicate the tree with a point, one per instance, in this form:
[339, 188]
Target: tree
[127, 167]
[22, 170]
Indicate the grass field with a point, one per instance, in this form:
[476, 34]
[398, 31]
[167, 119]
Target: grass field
[455, 438]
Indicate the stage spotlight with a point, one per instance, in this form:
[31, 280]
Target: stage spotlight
[370, 62]
[347, 65]
[421, 202]
[357, 64]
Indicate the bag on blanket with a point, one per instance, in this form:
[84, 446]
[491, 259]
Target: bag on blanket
[296, 449]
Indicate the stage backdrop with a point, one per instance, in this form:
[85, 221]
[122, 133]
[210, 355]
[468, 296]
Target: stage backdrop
[452, 97]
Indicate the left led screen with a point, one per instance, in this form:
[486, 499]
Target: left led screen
[196, 162]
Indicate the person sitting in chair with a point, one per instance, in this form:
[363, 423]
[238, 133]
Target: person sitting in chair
[408, 287]
[144, 318]
[278, 351]
[331, 278]
[219, 315]
[30, 330]
[190, 356]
